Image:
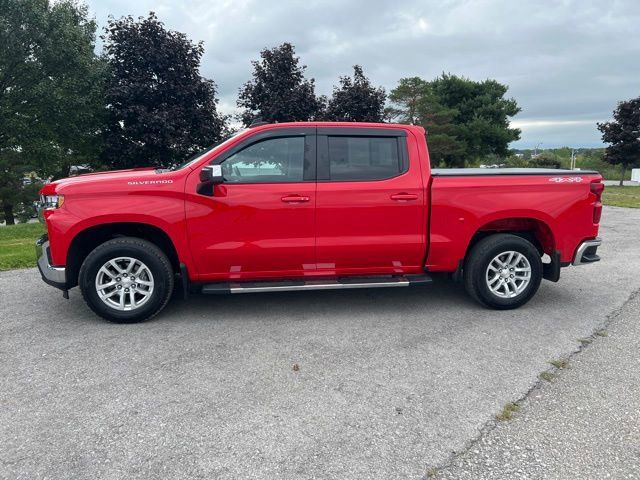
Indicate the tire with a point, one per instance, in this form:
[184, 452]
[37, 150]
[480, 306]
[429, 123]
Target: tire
[511, 288]
[109, 285]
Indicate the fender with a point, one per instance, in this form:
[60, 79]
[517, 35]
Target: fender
[175, 231]
[449, 246]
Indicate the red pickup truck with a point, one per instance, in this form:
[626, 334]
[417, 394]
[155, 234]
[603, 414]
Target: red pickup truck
[304, 206]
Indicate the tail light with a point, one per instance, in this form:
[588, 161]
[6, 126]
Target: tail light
[597, 187]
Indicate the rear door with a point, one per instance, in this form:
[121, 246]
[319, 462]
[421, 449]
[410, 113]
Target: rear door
[370, 203]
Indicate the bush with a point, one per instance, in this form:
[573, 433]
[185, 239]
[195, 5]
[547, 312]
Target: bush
[545, 160]
[516, 162]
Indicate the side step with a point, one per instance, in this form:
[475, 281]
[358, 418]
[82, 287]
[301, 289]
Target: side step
[315, 284]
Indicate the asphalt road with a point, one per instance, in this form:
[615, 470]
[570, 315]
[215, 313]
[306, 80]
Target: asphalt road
[585, 424]
[390, 382]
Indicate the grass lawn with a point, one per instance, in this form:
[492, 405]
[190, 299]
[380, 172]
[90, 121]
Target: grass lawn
[621, 196]
[17, 245]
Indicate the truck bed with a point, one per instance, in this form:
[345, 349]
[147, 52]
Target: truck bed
[556, 204]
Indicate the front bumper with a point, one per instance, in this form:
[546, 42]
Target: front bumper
[54, 276]
[586, 252]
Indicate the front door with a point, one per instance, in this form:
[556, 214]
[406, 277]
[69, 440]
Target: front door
[260, 222]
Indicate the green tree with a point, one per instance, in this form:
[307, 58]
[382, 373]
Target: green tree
[623, 136]
[160, 110]
[278, 91]
[50, 96]
[481, 113]
[407, 100]
[414, 102]
[465, 120]
[356, 100]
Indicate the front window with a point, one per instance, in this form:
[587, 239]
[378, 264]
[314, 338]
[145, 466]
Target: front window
[274, 160]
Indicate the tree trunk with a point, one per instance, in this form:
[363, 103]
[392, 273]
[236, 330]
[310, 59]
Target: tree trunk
[624, 170]
[8, 214]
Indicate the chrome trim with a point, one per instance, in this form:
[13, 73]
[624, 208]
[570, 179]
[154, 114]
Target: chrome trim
[49, 272]
[577, 260]
[237, 288]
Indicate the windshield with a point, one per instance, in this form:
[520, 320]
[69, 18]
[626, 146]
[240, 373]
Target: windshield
[198, 155]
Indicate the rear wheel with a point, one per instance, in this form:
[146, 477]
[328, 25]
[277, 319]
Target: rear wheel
[503, 271]
[126, 280]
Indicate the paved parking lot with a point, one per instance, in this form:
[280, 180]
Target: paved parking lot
[583, 424]
[390, 381]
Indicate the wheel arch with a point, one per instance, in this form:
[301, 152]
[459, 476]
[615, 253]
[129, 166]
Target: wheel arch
[89, 238]
[536, 231]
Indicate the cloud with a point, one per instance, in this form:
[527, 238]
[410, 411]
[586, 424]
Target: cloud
[567, 63]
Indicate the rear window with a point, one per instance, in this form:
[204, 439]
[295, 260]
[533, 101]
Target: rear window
[363, 158]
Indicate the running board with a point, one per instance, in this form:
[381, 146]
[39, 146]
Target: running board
[317, 284]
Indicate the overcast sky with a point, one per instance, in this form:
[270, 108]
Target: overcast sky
[566, 63]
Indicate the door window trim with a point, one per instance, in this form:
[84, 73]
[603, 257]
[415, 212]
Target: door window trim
[310, 152]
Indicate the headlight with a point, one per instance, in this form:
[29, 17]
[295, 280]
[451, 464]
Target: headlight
[51, 201]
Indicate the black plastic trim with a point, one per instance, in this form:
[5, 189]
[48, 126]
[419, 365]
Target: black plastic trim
[184, 277]
[551, 271]
[457, 276]
[361, 132]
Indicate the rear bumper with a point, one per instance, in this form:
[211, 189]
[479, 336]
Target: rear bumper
[586, 252]
[54, 276]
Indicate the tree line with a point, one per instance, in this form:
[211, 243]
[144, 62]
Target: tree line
[143, 102]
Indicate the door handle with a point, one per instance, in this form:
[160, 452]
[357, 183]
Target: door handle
[294, 199]
[404, 196]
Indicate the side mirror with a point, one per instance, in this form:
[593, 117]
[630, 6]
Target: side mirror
[211, 174]
[209, 177]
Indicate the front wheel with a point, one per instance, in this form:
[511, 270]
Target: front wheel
[126, 280]
[503, 271]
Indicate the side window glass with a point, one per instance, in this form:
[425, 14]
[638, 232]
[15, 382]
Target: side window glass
[363, 158]
[273, 160]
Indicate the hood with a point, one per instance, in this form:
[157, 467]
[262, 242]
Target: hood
[111, 180]
[130, 174]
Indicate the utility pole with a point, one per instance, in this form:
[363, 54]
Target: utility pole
[535, 153]
[573, 159]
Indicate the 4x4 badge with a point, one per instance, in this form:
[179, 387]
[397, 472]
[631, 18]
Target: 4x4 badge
[566, 179]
